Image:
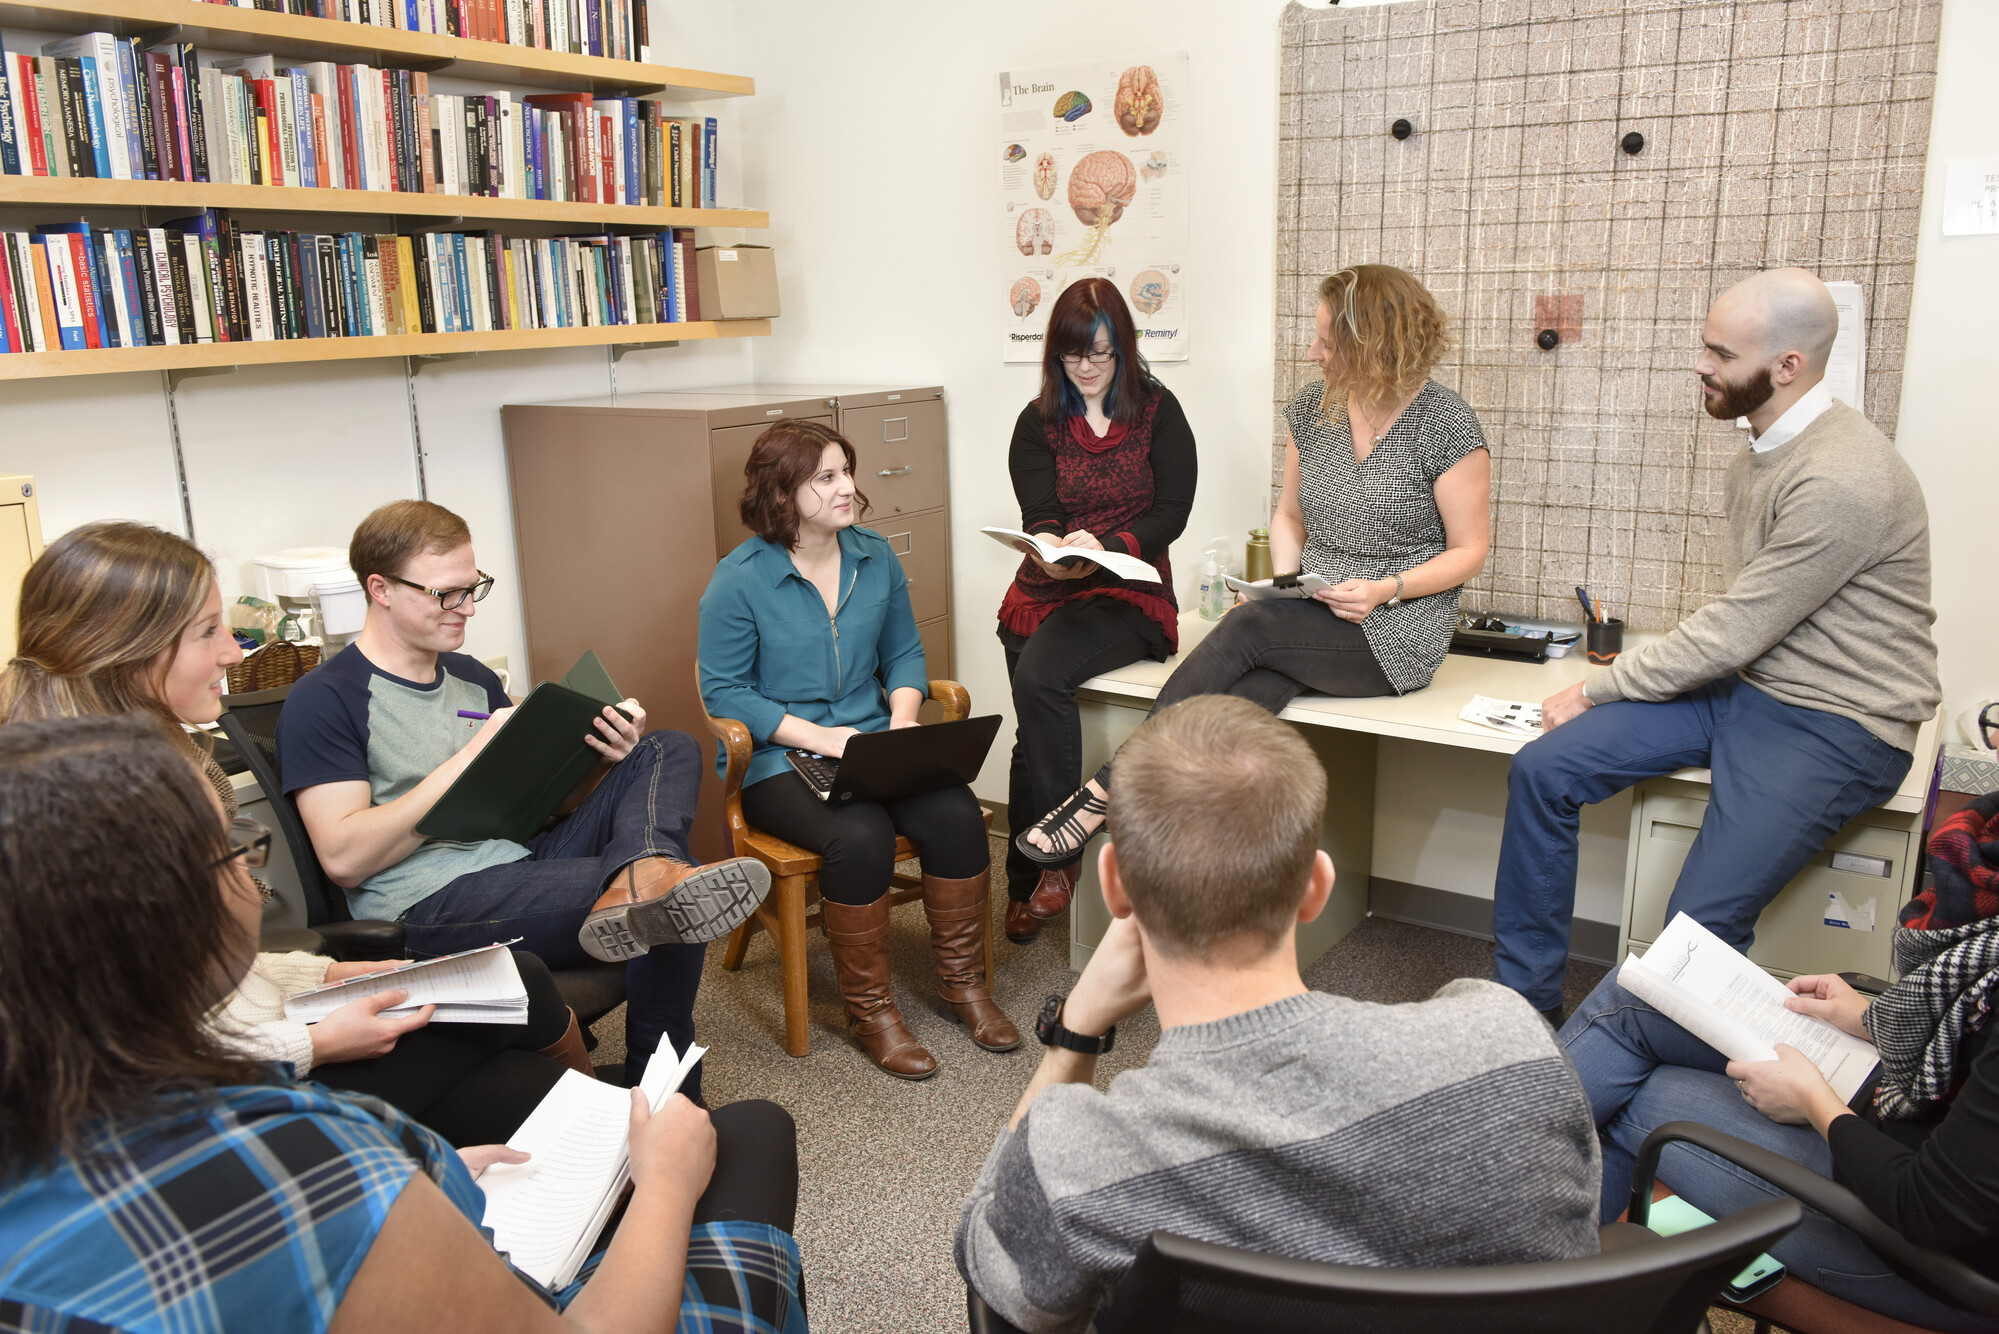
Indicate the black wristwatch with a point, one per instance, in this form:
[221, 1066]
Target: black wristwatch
[1049, 1029]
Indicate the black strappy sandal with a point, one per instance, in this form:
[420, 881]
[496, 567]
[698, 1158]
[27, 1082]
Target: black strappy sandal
[1064, 829]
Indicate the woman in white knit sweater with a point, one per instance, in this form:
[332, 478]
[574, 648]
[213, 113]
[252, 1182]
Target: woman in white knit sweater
[124, 618]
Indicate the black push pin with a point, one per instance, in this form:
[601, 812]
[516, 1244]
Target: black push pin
[1548, 340]
[1402, 129]
[1633, 143]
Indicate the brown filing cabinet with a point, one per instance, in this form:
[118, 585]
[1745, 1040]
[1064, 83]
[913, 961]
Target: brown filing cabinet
[622, 507]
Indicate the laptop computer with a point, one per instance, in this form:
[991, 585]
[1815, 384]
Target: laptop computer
[883, 766]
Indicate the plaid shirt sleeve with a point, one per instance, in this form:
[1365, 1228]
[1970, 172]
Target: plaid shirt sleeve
[239, 1208]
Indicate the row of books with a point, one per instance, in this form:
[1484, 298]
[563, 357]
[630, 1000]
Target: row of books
[203, 279]
[106, 107]
[614, 28]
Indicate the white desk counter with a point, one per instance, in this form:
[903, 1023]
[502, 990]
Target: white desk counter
[1343, 732]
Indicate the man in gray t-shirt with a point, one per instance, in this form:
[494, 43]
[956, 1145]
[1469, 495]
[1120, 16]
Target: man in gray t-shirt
[369, 740]
[1801, 687]
[1269, 1117]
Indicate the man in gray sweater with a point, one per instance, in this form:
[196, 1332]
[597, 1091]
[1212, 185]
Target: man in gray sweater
[1801, 687]
[1281, 1120]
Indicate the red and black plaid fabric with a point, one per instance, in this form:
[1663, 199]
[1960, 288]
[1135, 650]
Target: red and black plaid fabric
[1964, 870]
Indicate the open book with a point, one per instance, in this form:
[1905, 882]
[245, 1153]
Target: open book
[546, 1213]
[479, 986]
[1031, 544]
[1263, 589]
[1714, 992]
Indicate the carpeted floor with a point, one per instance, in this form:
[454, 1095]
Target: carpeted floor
[884, 1163]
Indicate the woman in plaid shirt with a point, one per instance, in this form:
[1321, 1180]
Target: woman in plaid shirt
[154, 1179]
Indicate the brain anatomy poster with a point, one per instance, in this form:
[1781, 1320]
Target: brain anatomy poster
[1093, 185]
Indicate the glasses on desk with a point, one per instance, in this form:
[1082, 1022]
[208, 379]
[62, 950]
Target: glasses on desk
[450, 599]
[1988, 723]
[1094, 357]
[248, 840]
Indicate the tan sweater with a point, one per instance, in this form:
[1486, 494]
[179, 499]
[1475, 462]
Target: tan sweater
[253, 1018]
[1827, 561]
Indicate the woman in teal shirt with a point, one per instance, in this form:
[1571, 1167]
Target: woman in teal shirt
[807, 638]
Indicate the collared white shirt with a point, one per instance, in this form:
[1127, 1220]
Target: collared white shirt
[1795, 419]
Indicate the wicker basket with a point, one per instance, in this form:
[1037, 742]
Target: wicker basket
[273, 665]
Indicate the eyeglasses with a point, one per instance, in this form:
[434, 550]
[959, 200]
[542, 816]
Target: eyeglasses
[248, 840]
[1988, 722]
[1093, 356]
[450, 599]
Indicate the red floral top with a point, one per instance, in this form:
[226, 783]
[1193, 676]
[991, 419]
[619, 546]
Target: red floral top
[1132, 488]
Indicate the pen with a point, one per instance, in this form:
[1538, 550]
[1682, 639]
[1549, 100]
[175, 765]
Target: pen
[1582, 596]
[473, 713]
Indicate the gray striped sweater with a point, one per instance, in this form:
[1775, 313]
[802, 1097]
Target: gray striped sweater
[1447, 1132]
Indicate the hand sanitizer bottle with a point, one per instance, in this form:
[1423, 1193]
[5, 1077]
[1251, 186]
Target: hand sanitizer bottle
[1212, 589]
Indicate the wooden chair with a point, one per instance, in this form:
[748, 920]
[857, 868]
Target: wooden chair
[788, 912]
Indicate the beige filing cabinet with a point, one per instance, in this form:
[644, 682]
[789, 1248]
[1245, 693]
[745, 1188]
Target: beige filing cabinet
[20, 543]
[622, 507]
[1871, 862]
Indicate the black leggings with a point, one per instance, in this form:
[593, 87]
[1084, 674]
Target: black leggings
[471, 1083]
[1074, 643]
[858, 841]
[1270, 653]
[756, 1167]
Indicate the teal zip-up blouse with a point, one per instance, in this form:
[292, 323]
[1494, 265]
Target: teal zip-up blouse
[768, 647]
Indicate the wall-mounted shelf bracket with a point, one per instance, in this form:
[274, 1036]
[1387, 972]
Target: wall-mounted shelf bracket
[422, 359]
[178, 373]
[618, 350]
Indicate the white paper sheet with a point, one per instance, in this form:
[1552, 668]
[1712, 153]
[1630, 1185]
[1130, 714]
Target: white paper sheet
[1511, 716]
[479, 986]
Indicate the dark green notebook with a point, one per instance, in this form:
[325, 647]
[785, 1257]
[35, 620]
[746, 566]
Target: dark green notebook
[535, 760]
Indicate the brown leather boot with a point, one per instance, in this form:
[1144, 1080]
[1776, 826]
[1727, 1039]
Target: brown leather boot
[664, 901]
[957, 912]
[1053, 891]
[569, 1049]
[859, 937]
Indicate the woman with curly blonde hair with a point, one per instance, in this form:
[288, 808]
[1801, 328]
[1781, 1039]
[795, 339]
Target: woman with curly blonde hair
[1386, 476]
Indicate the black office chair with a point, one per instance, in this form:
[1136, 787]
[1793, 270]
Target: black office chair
[250, 721]
[1640, 1283]
[1949, 1277]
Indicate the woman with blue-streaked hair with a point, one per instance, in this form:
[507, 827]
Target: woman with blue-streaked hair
[1102, 459]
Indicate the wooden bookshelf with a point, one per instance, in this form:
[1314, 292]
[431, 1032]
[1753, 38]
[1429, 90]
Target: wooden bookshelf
[71, 193]
[107, 361]
[251, 31]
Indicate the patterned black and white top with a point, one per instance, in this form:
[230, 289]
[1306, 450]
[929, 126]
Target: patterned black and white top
[1378, 518]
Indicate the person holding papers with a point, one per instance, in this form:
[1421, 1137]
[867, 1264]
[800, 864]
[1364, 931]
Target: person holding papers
[1918, 1142]
[1102, 460]
[154, 1178]
[125, 618]
[1386, 475]
[807, 639]
[1802, 686]
[370, 740]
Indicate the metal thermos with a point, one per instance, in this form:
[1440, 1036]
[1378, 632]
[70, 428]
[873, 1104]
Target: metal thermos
[1256, 556]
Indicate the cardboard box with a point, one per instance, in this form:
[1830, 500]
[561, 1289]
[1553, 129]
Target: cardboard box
[735, 283]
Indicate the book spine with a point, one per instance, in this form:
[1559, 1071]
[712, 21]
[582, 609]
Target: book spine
[218, 290]
[102, 249]
[373, 311]
[425, 270]
[13, 330]
[28, 117]
[308, 162]
[180, 285]
[11, 148]
[312, 284]
[188, 88]
[251, 260]
[411, 313]
[426, 169]
[72, 161]
[62, 283]
[183, 147]
[199, 307]
[50, 334]
[349, 143]
[115, 160]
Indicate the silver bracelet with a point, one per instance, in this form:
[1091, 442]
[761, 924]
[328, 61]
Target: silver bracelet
[1395, 601]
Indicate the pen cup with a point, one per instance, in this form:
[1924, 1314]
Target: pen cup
[1604, 640]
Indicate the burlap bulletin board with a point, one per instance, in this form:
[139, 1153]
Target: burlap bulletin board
[1776, 132]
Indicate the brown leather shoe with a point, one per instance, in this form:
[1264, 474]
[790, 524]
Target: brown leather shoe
[1021, 925]
[664, 901]
[1051, 896]
[859, 937]
[957, 912]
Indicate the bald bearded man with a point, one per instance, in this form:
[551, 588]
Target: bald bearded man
[1801, 687]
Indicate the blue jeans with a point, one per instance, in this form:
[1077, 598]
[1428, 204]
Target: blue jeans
[643, 807]
[1785, 780]
[1640, 1070]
